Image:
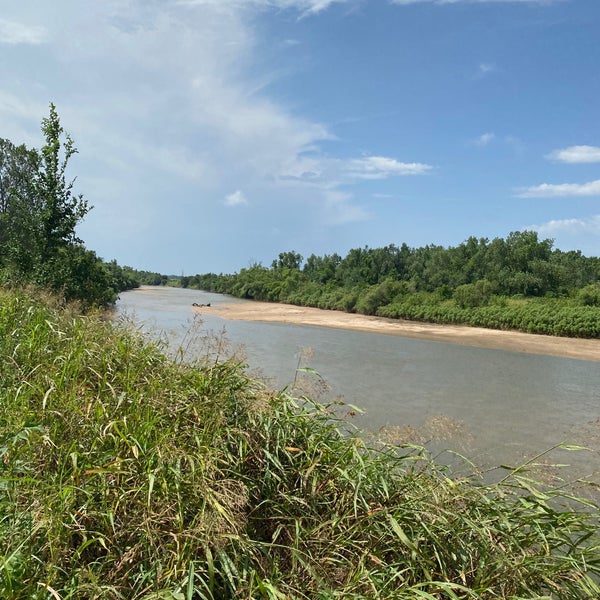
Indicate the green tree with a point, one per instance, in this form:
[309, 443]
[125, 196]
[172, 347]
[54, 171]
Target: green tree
[61, 210]
[287, 260]
[18, 209]
[39, 213]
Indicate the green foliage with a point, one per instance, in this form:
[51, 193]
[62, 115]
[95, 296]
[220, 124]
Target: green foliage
[18, 207]
[39, 214]
[589, 295]
[468, 284]
[125, 475]
[378, 295]
[288, 260]
[471, 295]
[145, 277]
[61, 210]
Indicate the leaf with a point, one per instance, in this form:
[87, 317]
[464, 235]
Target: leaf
[401, 535]
[190, 584]
[572, 447]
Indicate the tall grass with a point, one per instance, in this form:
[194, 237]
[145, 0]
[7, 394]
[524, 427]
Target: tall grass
[125, 475]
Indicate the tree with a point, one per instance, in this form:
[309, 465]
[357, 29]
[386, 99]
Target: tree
[38, 216]
[18, 166]
[287, 260]
[61, 210]
[18, 235]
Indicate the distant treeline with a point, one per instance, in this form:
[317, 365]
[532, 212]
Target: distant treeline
[520, 282]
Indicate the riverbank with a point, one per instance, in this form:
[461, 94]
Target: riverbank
[128, 475]
[575, 348]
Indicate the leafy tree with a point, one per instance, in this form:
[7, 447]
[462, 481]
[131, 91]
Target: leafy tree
[287, 260]
[18, 233]
[61, 210]
[80, 275]
[322, 269]
[39, 213]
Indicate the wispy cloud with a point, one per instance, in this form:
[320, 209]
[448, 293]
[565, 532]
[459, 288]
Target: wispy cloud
[406, 2]
[237, 198]
[179, 110]
[551, 190]
[589, 225]
[576, 154]
[381, 167]
[484, 139]
[485, 68]
[306, 7]
[333, 172]
[339, 209]
[14, 33]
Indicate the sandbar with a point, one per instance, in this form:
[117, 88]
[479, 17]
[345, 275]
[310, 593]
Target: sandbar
[575, 348]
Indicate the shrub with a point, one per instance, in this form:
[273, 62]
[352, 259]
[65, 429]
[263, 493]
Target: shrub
[589, 295]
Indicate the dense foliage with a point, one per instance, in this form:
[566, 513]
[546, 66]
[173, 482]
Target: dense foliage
[39, 214]
[520, 282]
[124, 475]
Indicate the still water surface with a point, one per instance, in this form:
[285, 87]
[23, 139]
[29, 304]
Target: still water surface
[492, 405]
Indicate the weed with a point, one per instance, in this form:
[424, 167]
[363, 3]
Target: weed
[128, 475]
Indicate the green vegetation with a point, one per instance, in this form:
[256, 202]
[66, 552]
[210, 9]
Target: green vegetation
[519, 282]
[39, 214]
[125, 475]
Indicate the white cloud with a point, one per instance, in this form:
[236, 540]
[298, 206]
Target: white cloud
[381, 167]
[406, 2]
[576, 154]
[339, 210]
[550, 190]
[14, 33]
[484, 139]
[589, 225]
[167, 99]
[305, 6]
[237, 198]
[328, 172]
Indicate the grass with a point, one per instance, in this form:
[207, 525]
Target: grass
[126, 475]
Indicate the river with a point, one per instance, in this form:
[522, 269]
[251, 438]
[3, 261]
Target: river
[493, 406]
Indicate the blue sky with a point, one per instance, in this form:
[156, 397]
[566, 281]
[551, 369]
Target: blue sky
[217, 133]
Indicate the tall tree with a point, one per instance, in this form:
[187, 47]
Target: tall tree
[61, 210]
[39, 213]
[18, 209]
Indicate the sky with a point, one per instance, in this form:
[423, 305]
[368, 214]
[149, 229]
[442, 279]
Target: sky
[215, 134]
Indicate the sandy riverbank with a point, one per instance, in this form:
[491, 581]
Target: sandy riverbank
[580, 349]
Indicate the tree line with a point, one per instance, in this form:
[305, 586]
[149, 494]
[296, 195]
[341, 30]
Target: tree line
[518, 282]
[39, 213]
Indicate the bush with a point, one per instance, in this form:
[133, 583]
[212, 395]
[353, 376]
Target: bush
[471, 295]
[589, 295]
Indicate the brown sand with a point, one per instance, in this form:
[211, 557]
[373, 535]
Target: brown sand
[576, 348]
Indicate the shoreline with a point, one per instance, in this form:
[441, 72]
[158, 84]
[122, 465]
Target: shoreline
[514, 341]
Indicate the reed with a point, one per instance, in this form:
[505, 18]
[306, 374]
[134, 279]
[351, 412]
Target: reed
[127, 475]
